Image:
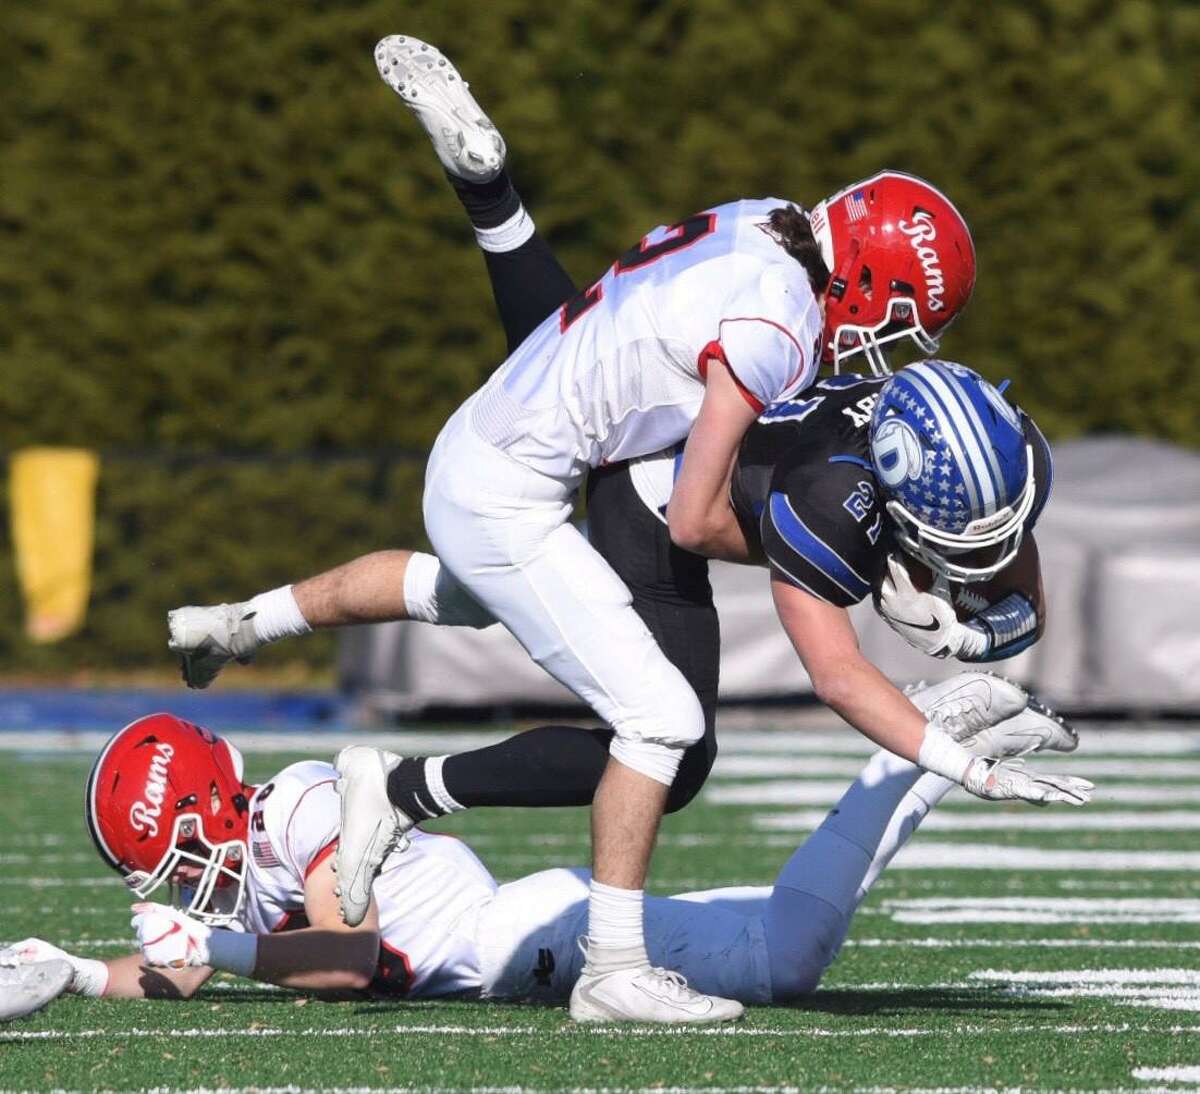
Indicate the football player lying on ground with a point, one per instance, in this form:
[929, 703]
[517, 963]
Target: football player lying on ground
[252, 872]
[824, 487]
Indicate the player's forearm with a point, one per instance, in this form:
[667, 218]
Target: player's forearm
[318, 960]
[130, 977]
[717, 534]
[864, 697]
[699, 516]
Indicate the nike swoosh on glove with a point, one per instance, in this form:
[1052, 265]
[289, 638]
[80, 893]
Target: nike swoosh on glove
[168, 938]
[1009, 780]
[924, 620]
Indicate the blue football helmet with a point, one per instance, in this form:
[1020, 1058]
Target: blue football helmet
[955, 467]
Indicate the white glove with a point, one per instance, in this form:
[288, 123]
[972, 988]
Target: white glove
[90, 976]
[924, 620]
[168, 938]
[1007, 780]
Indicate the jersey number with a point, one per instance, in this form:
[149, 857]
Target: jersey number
[679, 236]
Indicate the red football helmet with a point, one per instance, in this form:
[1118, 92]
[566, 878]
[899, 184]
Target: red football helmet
[165, 795]
[902, 265]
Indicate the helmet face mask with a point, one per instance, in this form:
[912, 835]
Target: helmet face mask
[902, 266]
[197, 872]
[898, 324]
[977, 553]
[166, 805]
[955, 469]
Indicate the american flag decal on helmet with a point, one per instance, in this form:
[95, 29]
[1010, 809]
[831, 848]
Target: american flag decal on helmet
[856, 205]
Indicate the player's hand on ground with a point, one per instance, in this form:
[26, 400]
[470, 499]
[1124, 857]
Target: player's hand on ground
[1009, 780]
[168, 938]
[924, 620]
[88, 976]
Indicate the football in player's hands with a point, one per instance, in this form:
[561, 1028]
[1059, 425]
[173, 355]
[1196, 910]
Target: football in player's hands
[967, 600]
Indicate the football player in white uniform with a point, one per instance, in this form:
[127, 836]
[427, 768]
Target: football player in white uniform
[706, 321]
[250, 869]
[689, 334]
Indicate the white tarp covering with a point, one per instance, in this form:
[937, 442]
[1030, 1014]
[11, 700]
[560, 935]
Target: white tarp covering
[1120, 545]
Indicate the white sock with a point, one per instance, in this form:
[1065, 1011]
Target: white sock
[433, 779]
[277, 615]
[615, 933]
[507, 236]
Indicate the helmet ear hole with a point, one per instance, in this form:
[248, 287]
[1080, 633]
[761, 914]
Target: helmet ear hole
[864, 281]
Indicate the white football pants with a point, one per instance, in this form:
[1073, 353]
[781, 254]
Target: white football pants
[503, 531]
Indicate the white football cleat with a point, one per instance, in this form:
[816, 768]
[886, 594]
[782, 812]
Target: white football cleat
[645, 994]
[208, 638]
[969, 702]
[26, 988]
[1037, 728]
[463, 136]
[371, 826]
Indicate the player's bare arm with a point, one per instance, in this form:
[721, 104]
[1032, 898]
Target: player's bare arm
[327, 955]
[699, 515]
[843, 679]
[826, 643]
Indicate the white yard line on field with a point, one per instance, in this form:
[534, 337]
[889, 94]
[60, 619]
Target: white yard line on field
[826, 792]
[755, 765]
[1168, 1074]
[1018, 943]
[1015, 819]
[1161, 989]
[1098, 911]
[816, 1032]
[927, 855]
[1190, 977]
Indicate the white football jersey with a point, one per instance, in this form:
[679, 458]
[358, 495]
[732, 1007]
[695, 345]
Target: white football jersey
[428, 895]
[619, 370]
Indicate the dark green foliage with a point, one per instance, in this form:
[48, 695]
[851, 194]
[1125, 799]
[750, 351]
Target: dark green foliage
[219, 231]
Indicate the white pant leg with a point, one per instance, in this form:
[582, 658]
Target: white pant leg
[528, 941]
[503, 531]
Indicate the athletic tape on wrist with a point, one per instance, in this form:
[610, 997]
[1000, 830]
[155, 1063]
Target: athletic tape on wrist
[943, 756]
[233, 951]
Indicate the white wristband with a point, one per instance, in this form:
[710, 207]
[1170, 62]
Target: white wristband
[91, 977]
[233, 951]
[943, 756]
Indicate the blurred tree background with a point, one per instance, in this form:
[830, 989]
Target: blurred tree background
[222, 238]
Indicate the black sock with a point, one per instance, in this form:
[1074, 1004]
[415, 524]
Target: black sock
[551, 765]
[408, 791]
[488, 204]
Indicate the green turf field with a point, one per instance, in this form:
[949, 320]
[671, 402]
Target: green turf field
[1008, 948]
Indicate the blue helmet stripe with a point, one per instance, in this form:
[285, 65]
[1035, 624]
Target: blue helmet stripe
[972, 444]
[814, 550]
[957, 391]
[949, 427]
